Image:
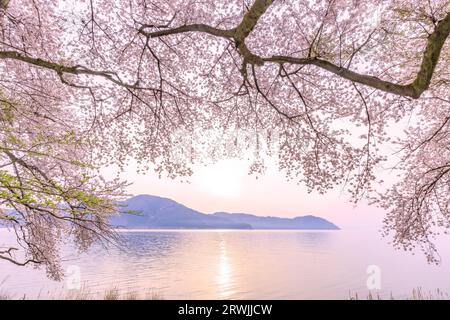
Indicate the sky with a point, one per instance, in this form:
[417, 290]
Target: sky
[227, 186]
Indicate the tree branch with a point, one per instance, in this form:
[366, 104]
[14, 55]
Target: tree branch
[374, 82]
[435, 42]
[238, 34]
[4, 4]
[188, 28]
[12, 260]
[414, 90]
[431, 55]
[60, 69]
[246, 26]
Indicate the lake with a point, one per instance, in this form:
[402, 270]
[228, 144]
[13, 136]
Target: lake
[240, 264]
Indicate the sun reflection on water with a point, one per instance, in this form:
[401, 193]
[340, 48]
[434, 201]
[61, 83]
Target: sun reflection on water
[224, 271]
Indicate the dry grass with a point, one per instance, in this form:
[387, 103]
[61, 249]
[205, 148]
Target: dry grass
[86, 294]
[114, 294]
[81, 294]
[154, 296]
[111, 294]
[417, 294]
[132, 296]
[4, 296]
[437, 294]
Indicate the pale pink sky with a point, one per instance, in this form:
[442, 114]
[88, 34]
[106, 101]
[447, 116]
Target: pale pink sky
[226, 186]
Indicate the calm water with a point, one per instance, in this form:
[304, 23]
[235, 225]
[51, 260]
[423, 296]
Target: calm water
[236, 265]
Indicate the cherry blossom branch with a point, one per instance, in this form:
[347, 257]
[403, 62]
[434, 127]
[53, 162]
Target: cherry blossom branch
[414, 90]
[22, 264]
[238, 34]
[61, 69]
[187, 28]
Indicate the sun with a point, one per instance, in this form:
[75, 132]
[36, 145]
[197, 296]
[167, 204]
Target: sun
[222, 179]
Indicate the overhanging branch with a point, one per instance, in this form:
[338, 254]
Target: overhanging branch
[61, 69]
[431, 54]
[414, 90]
[188, 28]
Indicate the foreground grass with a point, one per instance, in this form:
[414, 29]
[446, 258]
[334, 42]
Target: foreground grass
[84, 294]
[115, 294]
[417, 294]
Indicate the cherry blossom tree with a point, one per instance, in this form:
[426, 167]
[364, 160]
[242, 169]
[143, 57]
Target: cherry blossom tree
[108, 81]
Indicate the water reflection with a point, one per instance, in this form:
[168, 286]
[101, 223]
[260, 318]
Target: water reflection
[234, 265]
[224, 271]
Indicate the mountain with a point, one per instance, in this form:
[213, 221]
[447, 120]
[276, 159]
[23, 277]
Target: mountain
[153, 212]
[162, 213]
[298, 223]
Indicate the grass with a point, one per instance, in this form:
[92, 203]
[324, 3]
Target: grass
[436, 295]
[81, 294]
[85, 294]
[110, 294]
[114, 294]
[4, 297]
[417, 294]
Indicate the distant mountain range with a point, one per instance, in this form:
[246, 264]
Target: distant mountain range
[153, 212]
